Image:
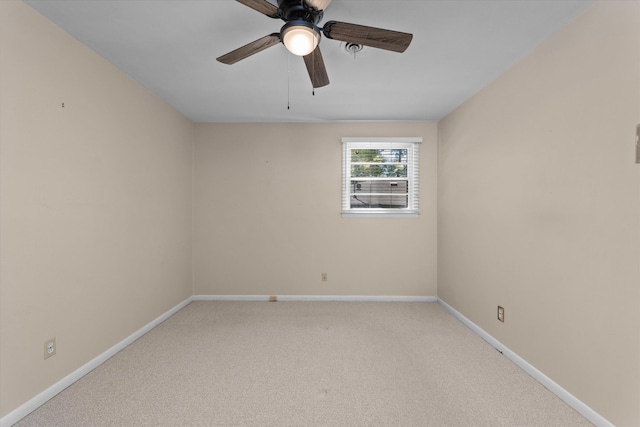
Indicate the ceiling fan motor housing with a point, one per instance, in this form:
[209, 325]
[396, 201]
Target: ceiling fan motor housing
[294, 10]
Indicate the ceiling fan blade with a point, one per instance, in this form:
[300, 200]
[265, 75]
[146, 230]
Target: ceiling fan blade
[262, 6]
[250, 49]
[367, 36]
[316, 68]
[319, 4]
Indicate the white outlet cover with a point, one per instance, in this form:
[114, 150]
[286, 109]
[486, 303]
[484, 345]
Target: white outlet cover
[49, 348]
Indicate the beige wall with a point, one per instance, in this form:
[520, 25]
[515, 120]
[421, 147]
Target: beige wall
[539, 209]
[96, 204]
[267, 215]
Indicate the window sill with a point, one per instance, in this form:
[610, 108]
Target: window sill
[379, 215]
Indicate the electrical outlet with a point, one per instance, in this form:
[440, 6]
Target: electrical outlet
[501, 314]
[49, 348]
[324, 277]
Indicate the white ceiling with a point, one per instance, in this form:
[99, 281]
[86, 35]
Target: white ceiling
[171, 46]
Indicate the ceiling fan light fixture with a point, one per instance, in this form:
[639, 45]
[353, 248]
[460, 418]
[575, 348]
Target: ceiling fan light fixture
[300, 37]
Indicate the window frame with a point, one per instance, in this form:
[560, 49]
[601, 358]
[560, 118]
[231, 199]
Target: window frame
[412, 144]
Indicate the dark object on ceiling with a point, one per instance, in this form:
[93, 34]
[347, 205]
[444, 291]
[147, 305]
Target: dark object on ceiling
[301, 35]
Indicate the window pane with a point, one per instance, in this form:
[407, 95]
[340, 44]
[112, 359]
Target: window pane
[382, 170]
[383, 155]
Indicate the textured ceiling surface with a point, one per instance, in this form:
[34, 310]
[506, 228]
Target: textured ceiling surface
[170, 47]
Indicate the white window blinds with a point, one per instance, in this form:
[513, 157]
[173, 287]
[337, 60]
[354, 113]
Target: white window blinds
[380, 176]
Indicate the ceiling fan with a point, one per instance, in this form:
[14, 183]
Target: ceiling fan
[301, 35]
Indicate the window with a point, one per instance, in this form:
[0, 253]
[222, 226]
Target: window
[380, 176]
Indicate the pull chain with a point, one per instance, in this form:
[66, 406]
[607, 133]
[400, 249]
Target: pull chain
[288, 81]
[313, 80]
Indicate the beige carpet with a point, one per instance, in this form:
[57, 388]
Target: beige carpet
[307, 364]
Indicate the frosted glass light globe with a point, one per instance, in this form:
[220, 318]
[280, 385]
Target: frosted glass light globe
[300, 40]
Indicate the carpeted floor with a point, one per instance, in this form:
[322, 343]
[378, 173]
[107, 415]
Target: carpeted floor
[307, 364]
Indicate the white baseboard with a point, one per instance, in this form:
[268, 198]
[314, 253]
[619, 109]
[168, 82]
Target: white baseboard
[31, 405]
[354, 298]
[563, 394]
